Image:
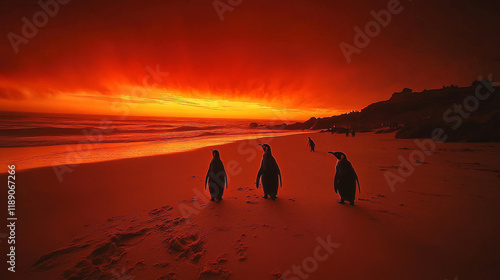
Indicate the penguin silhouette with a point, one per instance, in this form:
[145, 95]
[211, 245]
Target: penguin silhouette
[216, 177]
[345, 179]
[311, 144]
[269, 171]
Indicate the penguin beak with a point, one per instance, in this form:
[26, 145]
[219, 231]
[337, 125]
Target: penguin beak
[339, 158]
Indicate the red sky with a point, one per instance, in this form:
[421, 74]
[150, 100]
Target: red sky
[266, 57]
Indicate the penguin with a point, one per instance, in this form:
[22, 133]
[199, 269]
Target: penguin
[311, 144]
[216, 177]
[269, 171]
[345, 179]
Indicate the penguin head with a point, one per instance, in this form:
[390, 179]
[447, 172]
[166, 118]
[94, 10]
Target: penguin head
[338, 155]
[266, 148]
[215, 153]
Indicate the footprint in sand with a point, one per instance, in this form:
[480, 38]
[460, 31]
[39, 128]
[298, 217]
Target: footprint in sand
[188, 246]
[169, 276]
[100, 251]
[162, 210]
[244, 189]
[215, 269]
[161, 265]
[241, 248]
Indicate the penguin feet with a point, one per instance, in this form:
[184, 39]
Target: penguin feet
[212, 199]
[265, 196]
[273, 197]
[220, 198]
[352, 203]
[341, 201]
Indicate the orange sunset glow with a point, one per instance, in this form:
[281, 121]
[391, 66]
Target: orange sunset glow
[250, 139]
[265, 59]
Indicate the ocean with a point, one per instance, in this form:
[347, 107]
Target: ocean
[31, 140]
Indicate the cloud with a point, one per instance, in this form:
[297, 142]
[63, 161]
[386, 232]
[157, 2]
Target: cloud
[11, 94]
[266, 52]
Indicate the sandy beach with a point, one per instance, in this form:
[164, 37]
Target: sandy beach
[150, 218]
[119, 121]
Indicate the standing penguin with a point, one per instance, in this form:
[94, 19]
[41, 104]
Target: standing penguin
[269, 171]
[345, 179]
[311, 144]
[216, 177]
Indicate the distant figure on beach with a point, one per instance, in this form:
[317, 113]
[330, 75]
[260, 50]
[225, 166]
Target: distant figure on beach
[311, 144]
[353, 133]
[333, 128]
[347, 132]
[216, 177]
[345, 179]
[269, 171]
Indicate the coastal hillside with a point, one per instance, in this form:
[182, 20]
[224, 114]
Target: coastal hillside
[470, 114]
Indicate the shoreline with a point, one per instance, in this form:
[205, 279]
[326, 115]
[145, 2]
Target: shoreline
[53, 156]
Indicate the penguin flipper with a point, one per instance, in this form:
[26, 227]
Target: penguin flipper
[206, 179]
[259, 174]
[225, 179]
[357, 180]
[279, 174]
[335, 182]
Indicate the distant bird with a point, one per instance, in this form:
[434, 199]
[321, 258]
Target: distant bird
[216, 177]
[347, 132]
[353, 132]
[345, 179]
[269, 171]
[311, 144]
